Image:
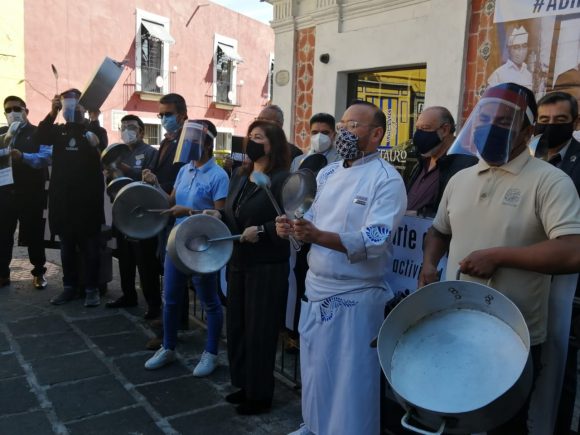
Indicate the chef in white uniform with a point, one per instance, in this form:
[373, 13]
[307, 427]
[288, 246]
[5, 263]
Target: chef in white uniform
[515, 69]
[360, 200]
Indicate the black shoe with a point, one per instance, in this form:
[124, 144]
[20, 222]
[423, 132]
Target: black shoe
[67, 295]
[39, 282]
[4, 282]
[237, 397]
[121, 302]
[151, 314]
[254, 407]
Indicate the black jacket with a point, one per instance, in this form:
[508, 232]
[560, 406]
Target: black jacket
[448, 166]
[76, 184]
[571, 163]
[255, 209]
[164, 168]
[27, 181]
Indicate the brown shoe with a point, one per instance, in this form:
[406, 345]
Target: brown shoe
[154, 344]
[39, 282]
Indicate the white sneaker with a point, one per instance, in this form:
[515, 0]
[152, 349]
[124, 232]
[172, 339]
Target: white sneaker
[206, 365]
[92, 298]
[302, 430]
[161, 358]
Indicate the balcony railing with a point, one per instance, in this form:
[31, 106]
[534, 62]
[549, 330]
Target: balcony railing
[152, 81]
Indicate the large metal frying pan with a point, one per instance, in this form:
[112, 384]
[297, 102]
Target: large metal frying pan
[298, 192]
[457, 356]
[183, 244]
[136, 210]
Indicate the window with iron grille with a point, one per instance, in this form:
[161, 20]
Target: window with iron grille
[152, 134]
[226, 59]
[151, 61]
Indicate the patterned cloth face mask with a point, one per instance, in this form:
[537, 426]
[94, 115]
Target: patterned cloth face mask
[347, 145]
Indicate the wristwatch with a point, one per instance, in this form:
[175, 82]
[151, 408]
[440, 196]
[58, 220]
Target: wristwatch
[260, 230]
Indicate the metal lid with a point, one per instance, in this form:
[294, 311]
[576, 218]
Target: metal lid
[101, 84]
[114, 153]
[136, 210]
[208, 261]
[298, 193]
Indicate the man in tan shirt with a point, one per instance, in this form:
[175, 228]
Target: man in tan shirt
[510, 218]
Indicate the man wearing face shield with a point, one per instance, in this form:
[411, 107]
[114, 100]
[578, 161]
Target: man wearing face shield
[360, 200]
[433, 137]
[76, 191]
[511, 219]
[23, 201]
[515, 69]
[137, 253]
[557, 120]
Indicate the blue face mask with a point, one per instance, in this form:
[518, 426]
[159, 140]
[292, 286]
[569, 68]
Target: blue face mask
[170, 123]
[493, 143]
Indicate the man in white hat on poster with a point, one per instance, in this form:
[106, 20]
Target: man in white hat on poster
[515, 69]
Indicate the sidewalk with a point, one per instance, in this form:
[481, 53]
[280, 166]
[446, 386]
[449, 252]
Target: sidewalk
[77, 370]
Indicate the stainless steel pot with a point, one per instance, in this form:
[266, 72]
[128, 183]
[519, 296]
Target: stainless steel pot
[181, 244]
[457, 357]
[136, 210]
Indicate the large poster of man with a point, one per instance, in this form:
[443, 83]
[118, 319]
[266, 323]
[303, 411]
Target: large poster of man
[540, 44]
[534, 43]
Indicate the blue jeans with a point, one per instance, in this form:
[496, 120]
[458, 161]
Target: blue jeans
[206, 288]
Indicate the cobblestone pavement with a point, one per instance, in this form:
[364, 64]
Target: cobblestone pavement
[77, 370]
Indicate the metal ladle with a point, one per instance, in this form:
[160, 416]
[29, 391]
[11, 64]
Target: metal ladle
[263, 182]
[202, 243]
[140, 211]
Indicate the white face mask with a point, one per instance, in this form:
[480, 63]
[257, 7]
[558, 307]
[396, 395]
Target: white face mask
[14, 117]
[320, 142]
[128, 136]
[576, 135]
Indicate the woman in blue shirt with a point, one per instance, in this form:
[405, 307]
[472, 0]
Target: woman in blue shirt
[200, 184]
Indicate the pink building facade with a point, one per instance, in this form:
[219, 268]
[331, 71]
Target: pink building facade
[219, 60]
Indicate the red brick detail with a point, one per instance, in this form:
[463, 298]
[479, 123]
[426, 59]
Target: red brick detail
[303, 91]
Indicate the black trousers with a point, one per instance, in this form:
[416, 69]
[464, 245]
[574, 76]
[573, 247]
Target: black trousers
[25, 210]
[256, 304]
[140, 255]
[73, 246]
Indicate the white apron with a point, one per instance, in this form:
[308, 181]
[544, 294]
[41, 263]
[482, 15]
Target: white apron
[340, 371]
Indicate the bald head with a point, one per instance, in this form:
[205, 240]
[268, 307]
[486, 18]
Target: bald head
[272, 113]
[438, 116]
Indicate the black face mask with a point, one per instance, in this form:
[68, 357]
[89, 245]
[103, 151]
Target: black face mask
[255, 150]
[425, 141]
[554, 135]
[492, 143]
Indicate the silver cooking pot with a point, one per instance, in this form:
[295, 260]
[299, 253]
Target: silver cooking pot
[137, 210]
[457, 357]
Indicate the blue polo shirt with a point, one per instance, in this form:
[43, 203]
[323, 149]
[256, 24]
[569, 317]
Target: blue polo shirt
[199, 188]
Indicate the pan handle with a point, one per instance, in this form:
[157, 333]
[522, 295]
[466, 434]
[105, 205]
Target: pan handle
[405, 423]
[458, 277]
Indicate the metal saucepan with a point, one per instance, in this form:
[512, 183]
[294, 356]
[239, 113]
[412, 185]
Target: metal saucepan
[132, 210]
[263, 182]
[314, 162]
[201, 244]
[116, 185]
[298, 192]
[457, 357]
[114, 153]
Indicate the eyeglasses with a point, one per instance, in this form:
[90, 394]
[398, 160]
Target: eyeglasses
[351, 125]
[129, 127]
[16, 109]
[164, 114]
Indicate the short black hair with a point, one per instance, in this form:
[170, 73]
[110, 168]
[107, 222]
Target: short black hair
[209, 141]
[15, 98]
[176, 99]
[379, 118]
[71, 91]
[134, 118]
[323, 118]
[554, 97]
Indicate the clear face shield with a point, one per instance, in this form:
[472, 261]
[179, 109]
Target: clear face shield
[191, 142]
[493, 126]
